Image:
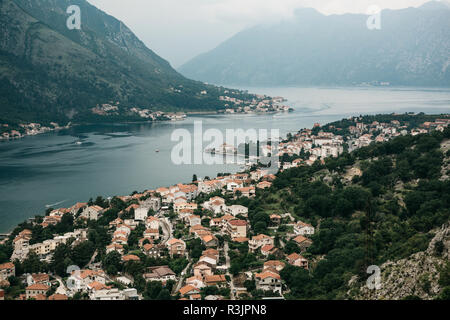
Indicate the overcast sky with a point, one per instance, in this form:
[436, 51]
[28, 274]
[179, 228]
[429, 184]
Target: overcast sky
[178, 30]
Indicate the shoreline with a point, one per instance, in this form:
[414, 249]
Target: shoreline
[72, 125]
[236, 170]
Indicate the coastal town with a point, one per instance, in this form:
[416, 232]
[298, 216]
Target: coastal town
[189, 241]
[29, 129]
[258, 104]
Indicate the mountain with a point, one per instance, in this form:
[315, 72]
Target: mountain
[418, 275]
[412, 48]
[51, 73]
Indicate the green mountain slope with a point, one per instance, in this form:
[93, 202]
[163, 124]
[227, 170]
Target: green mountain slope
[393, 209]
[51, 73]
[411, 48]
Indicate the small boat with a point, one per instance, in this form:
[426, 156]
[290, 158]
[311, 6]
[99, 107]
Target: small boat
[157, 150]
[78, 143]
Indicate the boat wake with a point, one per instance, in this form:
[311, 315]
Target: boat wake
[54, 204]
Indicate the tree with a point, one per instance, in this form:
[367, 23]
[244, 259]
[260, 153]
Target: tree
[260, 226]
[297, 279]
[444, 277]
[6, 251]
[291, 247]
[445, 294]
[32, 264]
[82, 253]
[250, 285]
[112, 263]
[164, 294]
[153, 290]
[61, 260]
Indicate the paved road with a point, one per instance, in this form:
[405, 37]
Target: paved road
[62, 287]
[228, 264]
[92, 259]
[180, 281]
[166, 227]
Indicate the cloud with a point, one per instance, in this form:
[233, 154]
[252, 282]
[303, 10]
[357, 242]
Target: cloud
[256, 11]
[178, 30]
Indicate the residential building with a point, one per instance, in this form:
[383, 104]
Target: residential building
[152, 250]
[264, 185]
[130, 257]
[215, 204]
[215, 280]
[237, 228]
[189, 290]
[275, 219]
[92, 212]
[258, 241]
[160, 273]
[141, 213]
[303, 229]
[7, 270]
[194, 220]
[209, 240]
[268, 281]
[196, 282]
[274, 264]
[107, 294]
[176, 247]
[302, 242]
[152, 223]
[36, 289]
[246, 191]
[235, 210]
[268, 249]
[297, 260]
[152, 234]
[202, 269]
[184, 205]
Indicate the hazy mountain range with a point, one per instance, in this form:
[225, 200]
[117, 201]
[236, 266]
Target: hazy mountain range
[48, 72]
[412, 48]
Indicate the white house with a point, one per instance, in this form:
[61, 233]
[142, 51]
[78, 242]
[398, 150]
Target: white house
[92, 212]
[236, 209]
[141, 213]
[194, 220]
[234, 184]
[209, 186]
[107, 294]
[268, 281]
[215, 204]
[258, 241]
[152, 223]
[153, 203]
[303, 229]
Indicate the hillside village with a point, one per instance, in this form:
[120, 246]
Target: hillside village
[259, 104]
[234, 102]
[190, 241]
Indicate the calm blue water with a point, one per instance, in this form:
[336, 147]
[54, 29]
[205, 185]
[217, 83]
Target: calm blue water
[51, 169]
